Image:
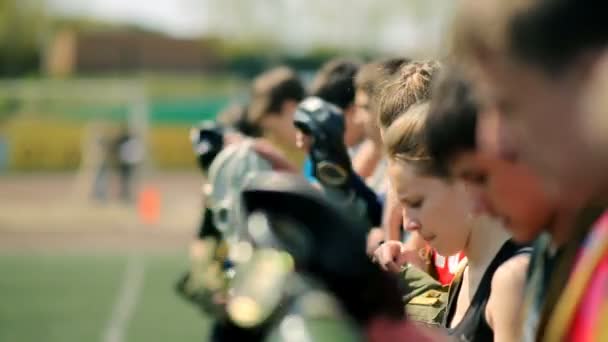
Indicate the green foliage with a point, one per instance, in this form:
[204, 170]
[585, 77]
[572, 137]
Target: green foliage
[22, 26]
[8, 108]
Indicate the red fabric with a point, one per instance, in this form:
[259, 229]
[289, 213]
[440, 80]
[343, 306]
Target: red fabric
[588, 321]
[385, 330]
[446, 267]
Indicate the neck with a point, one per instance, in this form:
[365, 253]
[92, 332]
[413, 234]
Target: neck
[486, 239]
[562, 227]
[575, 221]
[602, 195]
[585, 196]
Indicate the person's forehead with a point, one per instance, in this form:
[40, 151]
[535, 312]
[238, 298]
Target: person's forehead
[498, 78]
[467, 164]
[406, 179]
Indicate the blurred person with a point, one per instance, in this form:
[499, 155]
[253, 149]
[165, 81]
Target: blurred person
[483, 297]
[205, 284]
[127, 151]
[275, 95]
[506, 189]
[540, 85]
[370, 162]
[97, 155]
[411, 86]
[534, 78]
[334, 83]
[368, 82]
[323, 125]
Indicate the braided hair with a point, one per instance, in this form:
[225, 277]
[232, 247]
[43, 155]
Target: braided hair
[412, 85]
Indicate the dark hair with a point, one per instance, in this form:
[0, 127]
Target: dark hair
[271, 90]
[411, 85]
[235, 116]
[335, 82]
[552, 33]
[452, 119]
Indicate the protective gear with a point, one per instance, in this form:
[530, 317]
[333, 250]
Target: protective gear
[208, 281]
[207, 140]
[227, 175]
[206, 284]
[309, 275]
[324, 122]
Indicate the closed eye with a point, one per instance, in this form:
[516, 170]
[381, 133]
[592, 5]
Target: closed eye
[478, 178]
[415, 204]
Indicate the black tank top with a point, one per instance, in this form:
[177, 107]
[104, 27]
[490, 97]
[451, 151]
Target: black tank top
[474, 327]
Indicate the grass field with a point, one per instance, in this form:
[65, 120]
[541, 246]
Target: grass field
[94, 284]
[70, 297]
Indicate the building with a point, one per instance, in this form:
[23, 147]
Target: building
[69, 53]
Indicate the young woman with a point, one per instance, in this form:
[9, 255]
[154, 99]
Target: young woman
[409, 85]
[485, 296]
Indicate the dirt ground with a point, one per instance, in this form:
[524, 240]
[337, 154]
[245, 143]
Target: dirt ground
[45, 212]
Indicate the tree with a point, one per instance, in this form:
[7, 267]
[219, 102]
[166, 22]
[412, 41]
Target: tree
[22, 26]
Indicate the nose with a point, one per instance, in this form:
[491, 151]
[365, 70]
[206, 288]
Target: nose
[506, 146]
[410, 224]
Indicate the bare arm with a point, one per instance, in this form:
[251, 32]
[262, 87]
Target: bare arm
[366, 160]
[503, 310]
[391, 222]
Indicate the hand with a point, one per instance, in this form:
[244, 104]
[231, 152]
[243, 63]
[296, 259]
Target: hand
[393, 255]
[374, 239]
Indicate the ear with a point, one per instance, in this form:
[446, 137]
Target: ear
[585, 65]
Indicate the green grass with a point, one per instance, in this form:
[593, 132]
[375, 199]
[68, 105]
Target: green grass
[70, 297]
[161, 315]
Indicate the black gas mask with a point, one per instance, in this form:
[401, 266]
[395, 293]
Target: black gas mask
[324, 123]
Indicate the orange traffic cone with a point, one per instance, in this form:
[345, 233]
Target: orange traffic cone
[148, 205]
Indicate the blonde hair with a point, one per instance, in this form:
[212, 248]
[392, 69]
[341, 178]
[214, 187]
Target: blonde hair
[411, 85]
[404, 139]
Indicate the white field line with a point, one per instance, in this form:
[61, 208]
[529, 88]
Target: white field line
[126, 301]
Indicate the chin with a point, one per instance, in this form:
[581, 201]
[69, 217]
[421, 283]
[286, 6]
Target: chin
[525, 232]
[524, 237]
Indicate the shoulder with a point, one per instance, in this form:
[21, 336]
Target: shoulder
[506, 293]
[512, 273]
